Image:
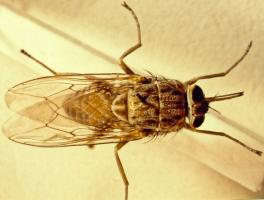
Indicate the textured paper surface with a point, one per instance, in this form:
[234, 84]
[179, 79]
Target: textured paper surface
[180, 40]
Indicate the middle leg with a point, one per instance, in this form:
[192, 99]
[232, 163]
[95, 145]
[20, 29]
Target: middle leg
[124, 66]
[121, 168]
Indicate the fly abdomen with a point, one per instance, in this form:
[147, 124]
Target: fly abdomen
[92, 109]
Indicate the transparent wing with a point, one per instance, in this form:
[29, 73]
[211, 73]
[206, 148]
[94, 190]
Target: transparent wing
[41, 118]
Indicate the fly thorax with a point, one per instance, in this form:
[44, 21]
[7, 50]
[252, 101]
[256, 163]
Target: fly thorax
[143, 106]
[172, 105]
[119, 107]
[157, 106]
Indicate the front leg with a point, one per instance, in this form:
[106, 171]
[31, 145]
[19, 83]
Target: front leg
[194, 80]
[187, 126]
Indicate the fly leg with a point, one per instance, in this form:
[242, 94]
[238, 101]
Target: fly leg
[224, 135]
[124, 66]
[44, 65]
[39, 62]
[121, 168]
[192, 81]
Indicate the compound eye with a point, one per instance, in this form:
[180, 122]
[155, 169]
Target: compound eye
[198, 121]
[197, 94]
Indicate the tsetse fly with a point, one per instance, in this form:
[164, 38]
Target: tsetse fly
[69, 109]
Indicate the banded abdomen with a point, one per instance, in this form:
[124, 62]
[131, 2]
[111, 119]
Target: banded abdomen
[93, 107]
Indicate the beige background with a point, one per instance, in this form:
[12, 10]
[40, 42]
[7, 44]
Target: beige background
[181, 39]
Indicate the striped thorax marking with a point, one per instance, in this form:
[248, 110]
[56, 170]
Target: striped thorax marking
[159, 106]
